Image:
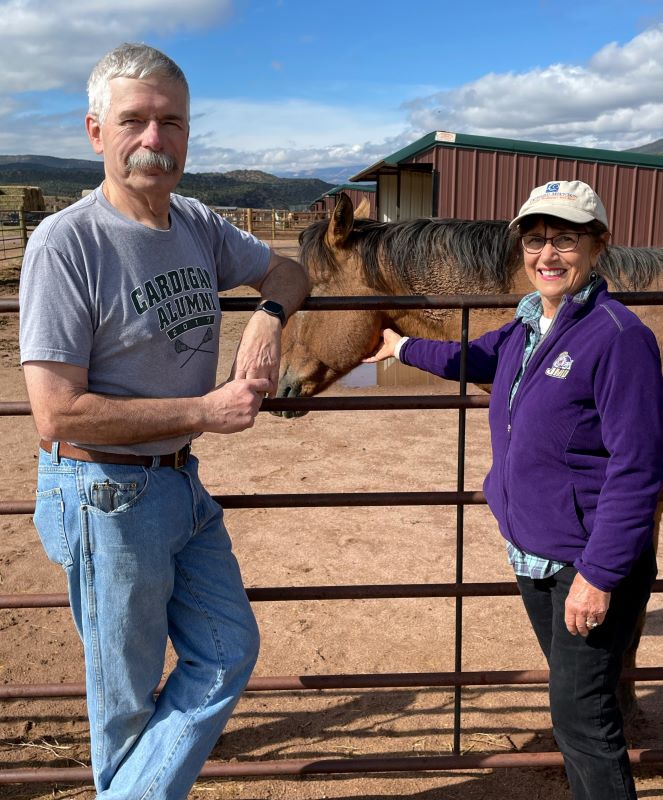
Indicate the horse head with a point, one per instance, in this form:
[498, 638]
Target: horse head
[320, 347]
[348, 255]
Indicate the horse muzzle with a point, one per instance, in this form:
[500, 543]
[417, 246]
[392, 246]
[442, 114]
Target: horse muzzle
[288, 389]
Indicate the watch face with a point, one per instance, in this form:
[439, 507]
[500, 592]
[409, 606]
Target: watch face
[273, 308]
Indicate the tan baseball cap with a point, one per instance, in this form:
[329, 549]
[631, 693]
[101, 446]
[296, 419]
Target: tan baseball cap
[574, 201]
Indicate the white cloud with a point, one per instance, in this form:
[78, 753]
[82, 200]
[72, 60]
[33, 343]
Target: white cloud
[614, 101]
[288, 135]
[50, 44]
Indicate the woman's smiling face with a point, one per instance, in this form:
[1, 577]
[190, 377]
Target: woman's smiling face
[553, 273]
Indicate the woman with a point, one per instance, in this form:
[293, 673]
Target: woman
[576, 419]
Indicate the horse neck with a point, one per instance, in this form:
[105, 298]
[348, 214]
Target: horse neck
[446, 323]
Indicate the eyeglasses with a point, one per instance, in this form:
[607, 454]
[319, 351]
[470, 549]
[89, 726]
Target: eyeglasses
[562, 242]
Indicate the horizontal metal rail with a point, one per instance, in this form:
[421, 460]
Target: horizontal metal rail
[21, 408]
[311, 500]
[369, 302]
[335, 592]
[397, 591]
[331, 766]
[392, 680]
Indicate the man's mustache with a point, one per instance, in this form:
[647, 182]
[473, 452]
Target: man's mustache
[143, 160]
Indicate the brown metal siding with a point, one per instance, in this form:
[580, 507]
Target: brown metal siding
[356, 195]
[490, 184]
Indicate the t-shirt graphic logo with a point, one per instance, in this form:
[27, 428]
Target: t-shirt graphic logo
[561, 366]
[552, 187]
[182, 347]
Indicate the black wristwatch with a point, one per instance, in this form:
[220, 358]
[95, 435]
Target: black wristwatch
[274, 309]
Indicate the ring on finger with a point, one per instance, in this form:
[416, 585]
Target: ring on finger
[591, 624]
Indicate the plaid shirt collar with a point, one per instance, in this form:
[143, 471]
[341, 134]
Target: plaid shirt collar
[530, 308]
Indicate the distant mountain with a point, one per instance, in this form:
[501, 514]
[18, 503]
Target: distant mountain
[335, 175]
[652, 149]
[244, 188]
[52, 161]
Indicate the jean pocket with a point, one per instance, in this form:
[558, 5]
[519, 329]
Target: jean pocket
[109, 496]
[49, 522]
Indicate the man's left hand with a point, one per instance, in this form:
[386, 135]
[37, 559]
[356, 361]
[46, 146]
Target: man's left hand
[259, 351]
[585, 607]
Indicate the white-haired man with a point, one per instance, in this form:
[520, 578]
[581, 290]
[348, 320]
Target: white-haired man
[119, 340]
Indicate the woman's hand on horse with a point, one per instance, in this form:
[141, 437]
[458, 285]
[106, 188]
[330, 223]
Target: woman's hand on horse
[386, 350]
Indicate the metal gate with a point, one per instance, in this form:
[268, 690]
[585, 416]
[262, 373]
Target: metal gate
[459, 589]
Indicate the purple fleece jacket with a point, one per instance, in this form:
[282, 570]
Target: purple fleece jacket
[578, 459]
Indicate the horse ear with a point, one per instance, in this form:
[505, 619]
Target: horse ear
[340, 224]
[363, 210]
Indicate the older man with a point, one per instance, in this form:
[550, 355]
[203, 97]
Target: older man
[119, 341]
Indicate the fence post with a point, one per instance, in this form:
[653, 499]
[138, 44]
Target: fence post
[23, 229]
[273, 223]
[249, 220]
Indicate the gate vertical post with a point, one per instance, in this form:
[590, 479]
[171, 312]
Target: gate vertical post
[460, 519]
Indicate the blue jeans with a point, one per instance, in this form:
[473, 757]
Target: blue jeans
[147, 558]
[584, 673]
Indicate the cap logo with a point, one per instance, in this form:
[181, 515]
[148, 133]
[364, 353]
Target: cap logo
[552, 187]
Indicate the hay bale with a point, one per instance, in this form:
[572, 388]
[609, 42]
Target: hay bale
[22, 198]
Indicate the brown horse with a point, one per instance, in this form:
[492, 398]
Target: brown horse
[350, 255]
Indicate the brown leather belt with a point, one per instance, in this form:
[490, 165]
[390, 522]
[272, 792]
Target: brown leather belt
[176, 460]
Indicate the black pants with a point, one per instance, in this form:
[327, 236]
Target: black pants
[584, 673]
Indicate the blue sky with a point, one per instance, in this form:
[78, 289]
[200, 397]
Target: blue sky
[294, 85]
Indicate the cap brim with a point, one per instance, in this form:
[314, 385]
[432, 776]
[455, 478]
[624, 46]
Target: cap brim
[554, 210]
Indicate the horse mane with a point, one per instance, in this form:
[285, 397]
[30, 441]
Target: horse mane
[630, 268]
[481, 250]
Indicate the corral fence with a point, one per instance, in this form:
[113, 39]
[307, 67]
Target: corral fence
[270, 223]
[22, 208]
[16, 225]
[458, 590]
[15, 229]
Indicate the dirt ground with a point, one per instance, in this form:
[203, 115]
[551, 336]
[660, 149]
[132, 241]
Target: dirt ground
[330, 452]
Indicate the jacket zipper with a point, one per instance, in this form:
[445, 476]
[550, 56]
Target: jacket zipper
[510, 419]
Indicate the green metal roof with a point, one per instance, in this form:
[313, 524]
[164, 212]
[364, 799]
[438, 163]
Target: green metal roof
[447, 139]
[354, 187]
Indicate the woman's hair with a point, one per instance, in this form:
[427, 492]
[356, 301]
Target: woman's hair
[593, 227]
[137, 61]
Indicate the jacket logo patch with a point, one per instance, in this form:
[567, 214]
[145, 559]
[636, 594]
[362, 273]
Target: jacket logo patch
[561, 366]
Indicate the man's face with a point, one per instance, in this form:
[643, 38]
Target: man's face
[144, 136]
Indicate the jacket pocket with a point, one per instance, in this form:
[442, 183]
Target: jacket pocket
[49, 522]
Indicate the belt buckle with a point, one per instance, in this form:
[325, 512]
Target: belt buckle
[182, 456]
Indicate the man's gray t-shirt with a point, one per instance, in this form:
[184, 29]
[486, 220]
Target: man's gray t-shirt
[136, 306]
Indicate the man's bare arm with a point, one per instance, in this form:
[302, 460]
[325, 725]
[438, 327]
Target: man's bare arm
[64, 409]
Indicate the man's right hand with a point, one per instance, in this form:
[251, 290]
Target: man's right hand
[64, 410]
[233, 406]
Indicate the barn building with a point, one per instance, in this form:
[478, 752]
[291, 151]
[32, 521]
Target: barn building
[460, 176]
[356, 193]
